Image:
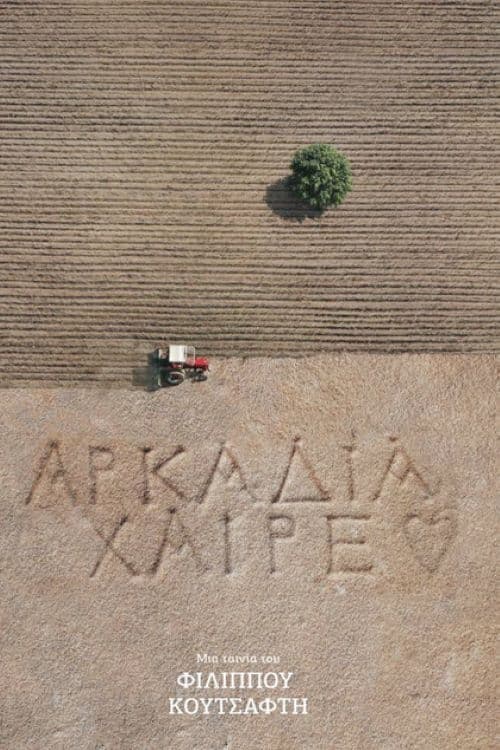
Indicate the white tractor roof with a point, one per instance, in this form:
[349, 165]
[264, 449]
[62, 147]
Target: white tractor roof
[180, 353]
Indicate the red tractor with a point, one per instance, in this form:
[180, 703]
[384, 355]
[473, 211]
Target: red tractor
[178, 362]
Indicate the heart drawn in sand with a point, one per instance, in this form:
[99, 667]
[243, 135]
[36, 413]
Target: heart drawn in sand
[429, 540]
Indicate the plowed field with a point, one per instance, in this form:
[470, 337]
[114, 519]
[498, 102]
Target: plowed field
[142, 150]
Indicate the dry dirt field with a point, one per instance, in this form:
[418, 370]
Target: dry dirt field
[347, 530]
[141, 152]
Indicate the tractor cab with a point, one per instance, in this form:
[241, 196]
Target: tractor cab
[181, 354]
[177, 362]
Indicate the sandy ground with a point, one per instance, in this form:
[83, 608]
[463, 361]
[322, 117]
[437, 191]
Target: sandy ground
[142, 150]
[346, 528]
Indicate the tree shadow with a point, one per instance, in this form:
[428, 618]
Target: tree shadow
[283, 203]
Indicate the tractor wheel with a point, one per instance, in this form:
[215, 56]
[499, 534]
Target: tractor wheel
[200, 375]
[175, 377]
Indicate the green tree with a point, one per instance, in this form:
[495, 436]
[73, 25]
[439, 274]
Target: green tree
[321, 176]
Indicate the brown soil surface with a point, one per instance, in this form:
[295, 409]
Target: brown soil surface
[142, 150]
[347, 528]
